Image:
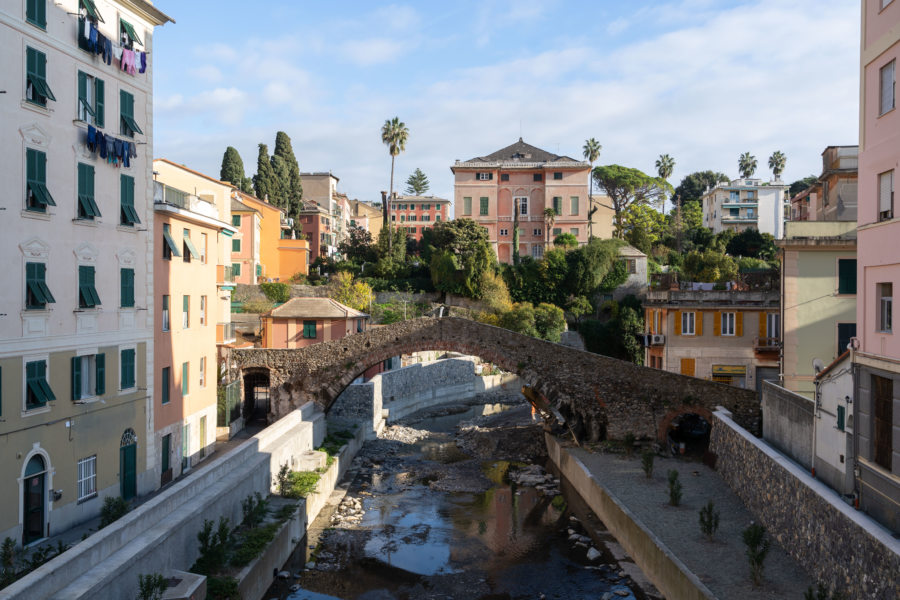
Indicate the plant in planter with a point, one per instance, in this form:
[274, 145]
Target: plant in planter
[709, 520]
[647, 462]
[674, 488]
[152, 586]
[757, 549]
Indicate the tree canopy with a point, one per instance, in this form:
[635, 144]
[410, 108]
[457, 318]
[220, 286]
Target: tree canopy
[462, 255]
[693, 185]
[233, 171]
[752, 244]
[802, 185]
[747, 165]
[626, 186]
[417, 183]
[264, 182]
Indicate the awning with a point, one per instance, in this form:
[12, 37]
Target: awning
[131, 32]
[740, 371]
[171, 244]
[41, 86]
[41, 193]
[131, 124]
[88, 206]
[92, 10]
[190, 246]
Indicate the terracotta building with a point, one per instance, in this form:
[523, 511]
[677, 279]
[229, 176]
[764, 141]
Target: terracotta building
[416, 213]
[301, 322]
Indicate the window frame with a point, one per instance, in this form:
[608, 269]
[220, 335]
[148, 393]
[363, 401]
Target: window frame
[128, 216]
[37, 195]
[37, 90]
[201, 372]
[484, 206]
[185, 311]
[126, 287]
[885, 306]
[848, 284]
[128, 126]
[165, 384]
[36, 287]
[88, 298]
[37, 384]
[203, 310]
[86, 209]
[467, 205]
[773, 325]
[36, 13]
[574, 205]
[557, 205]
[307, 327]
[165, 312]
[185, 378]
[886, 213]
[688, 317]
[86, 479]
[882, 108]
[126, 370]
[557, 176]
[728, 324]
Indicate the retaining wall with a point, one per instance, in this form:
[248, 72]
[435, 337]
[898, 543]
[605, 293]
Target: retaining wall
[838, 545]
[788, 421]
[160, 535]
[664, 569]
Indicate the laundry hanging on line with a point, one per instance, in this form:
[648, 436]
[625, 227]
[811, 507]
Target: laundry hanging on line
[116, 151]
[129, 60]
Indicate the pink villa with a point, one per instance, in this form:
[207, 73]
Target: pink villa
[417, 213]
[302, 322]
[876, 409]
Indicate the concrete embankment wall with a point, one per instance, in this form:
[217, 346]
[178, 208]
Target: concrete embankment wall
[788, 420]
[161, 534]
[401, 392]
[837, 545]
[664, 569]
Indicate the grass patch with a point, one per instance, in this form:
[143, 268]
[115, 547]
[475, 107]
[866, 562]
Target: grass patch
[301, 484]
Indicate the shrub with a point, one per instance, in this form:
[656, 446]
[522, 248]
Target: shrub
[8, 553]
[276, 292]
[709, 520]
[222, 588]
[213, 547]
[113, 509]
[252, 543]
[674, 488]
[647, 462]
[152, 586]
[820, 593]
[757, 549]
[254, 509]
[257, 306]
[301, 484]
[283, 479]
[629, 444]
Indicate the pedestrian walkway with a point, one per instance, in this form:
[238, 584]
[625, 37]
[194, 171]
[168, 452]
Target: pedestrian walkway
[720, 564]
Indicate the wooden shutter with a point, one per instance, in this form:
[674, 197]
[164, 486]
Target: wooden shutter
[885, 191]
[687, 366]
[717, 323]
[99, 103]
[698, 323]
[100, 372]
[76, 378]
[677, 322]
[763, 325]
[739, 323]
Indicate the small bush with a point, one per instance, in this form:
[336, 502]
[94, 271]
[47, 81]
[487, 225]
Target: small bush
[276, 292]
[213, 547]
[757, 549]
[674, 488]
[255, 510]
[283, 478]
[257, 306]
[113, 509]
[252, 544]
[8, 553]
[222, 588]
[709, 520]
[647, 462]
[820, 593]
[301, 484]
[152, 586]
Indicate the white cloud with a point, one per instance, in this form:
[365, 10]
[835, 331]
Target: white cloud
[372, 51]
[209, 73]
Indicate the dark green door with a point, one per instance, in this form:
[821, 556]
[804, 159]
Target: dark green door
[128, 470]
[33, 500]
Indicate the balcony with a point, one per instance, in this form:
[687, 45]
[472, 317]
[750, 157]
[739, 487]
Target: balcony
[739, 219]
[766, 344]
[225, 333]
[750, 203]
[224, 275]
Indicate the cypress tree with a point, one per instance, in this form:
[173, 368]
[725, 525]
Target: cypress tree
[289, 176]
[281, 176]
[264, 182]
[233, 171]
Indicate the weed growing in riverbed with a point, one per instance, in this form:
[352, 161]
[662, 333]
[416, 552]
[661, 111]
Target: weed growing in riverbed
[213, 547]
[151, 586]
[674, 488]
[301, 484]
[757, 549]
[709, 520]
[820, 593]
[254, 509]
[647, 462]
[559, 503]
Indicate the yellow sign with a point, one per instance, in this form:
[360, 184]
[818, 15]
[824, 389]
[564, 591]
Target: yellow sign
[729, 370]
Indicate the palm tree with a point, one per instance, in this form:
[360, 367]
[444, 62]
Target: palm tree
[747, 165]
[665, 164]
[550, 219]
[393, 134]
[776, 163]
[591, 152]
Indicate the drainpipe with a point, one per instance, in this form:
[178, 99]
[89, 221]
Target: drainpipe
[781, 317]
[817, 398]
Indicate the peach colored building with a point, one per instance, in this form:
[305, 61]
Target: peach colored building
[192, 323]
[876, 408]
[366, 216]
[302, 322]
[279, 256]
[245, 245]
[488, 187]
[833, 197]
[316, 223]
[416, 213]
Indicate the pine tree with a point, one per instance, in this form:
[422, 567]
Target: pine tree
[233, 171]
[289, 177]
[264, 182]
[417, 184]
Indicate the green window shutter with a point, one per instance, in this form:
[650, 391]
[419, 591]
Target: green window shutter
[130, 32]
[76, 378]
[467, 205]
[170, 243]
[557, 204]
[164, 384]
[185, 303]
[36, 74]
[847, 276]
[236, 220]
[99, 103]
[166, 450]
[184, 379]
[100, 372]
[574, 200]
[36, 180]
[36, 13]
[235, 245]
[83, 93]
[87, 206]
[127, 214]
[127, 368]
[236, 269]
[126, 284]
[189, 245]
[37, 292]
[484, 205]
[129, 126]
[840, 417]
[91, 10]
[309, 330]
[87, 293]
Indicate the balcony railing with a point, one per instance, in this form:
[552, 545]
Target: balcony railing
[766, 344]
[224, 274]
[225, 333]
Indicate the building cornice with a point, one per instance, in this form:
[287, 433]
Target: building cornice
[147, 11]
[163, 207]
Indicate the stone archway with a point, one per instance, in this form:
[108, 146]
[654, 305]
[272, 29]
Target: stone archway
[683, 409]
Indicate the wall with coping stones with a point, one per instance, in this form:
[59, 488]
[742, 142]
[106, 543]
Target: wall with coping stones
[601, 397]
[788, 421]
[837, 545]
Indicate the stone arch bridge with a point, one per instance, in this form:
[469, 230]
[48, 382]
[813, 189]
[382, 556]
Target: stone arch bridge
[600, 397]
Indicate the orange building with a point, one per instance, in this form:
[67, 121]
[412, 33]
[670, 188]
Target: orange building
[266, 249]
[302, 322]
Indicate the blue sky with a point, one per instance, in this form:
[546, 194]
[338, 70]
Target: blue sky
[702, 80]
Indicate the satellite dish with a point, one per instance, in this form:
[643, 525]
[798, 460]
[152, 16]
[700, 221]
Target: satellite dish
[818, 365]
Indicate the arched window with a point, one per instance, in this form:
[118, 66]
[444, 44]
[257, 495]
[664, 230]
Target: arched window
[35, 465]
[128, 438]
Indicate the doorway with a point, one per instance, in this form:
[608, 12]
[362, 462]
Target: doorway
[34, 499]
[256, 396]
[128, 465]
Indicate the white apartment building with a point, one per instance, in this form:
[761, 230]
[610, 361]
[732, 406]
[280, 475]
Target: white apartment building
[747, 204]
[76, 309]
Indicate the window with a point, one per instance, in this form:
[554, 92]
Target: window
[773, 326]
[484, 176]
[37, 90]
[574, 231]
[309, 330]
[165, 313]
[88, 376]
[504, 232]
[37, 390]
[393, 217]
[557, 175]
[235, 245]
[888, 84]
[164, 384]
[128, 215]
[538, 232]
[483, 209]
[885, 306]
[688, 366]
[236, 220]
[128, 368]
[437, 217]
[87, 478]
[734, 212]
[523, 205]
[169, 247]
[687, 323]
[128, 125]
[574, 202]
[749, 213]
[886, 195]
[236, 268]
[127, 34]
[846, 276]
[185, 372]
[87, 206]
[411, 218]
[37, 196]
[411, 229]
[202, 371]
[37, 293]
[557, 204]
[467, 205]
[631, 266]
[537, 251]
[557, 231]
[403, 218]
[883, 399]
[727, 323]
[185, 312]
[504, 176]
[203, 248]
[845, 331]
[87, 293]
[166, 450]
[734, 196]
[188, 246]
[841, 411]
[36, 13]
[202, 310]
[538, 177]
[91, 99]
[126, 288]
[359, 326]
[426, 218]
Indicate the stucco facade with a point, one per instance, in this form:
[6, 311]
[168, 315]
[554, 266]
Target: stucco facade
[746, 204]
[416, 213]
[75, 333]
[487, 188]
[833, 197]
[366, 216]
[245, 245]
[302, 322]
[320, 192]
[280, 257]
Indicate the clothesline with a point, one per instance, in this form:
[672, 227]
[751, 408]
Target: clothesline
[116, 152]
[129, 60]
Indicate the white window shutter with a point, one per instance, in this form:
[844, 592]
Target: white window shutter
[885, 191]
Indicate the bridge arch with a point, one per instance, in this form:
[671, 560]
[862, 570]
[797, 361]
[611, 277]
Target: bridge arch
[599, 396]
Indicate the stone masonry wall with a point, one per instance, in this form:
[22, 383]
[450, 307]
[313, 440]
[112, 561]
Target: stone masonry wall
[837, 545]
[600, 397]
